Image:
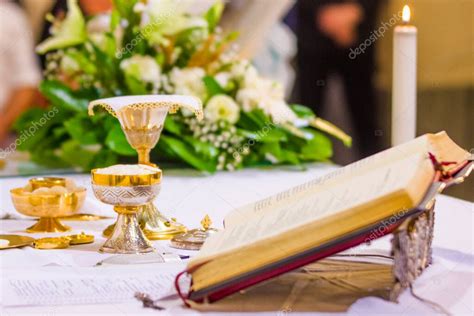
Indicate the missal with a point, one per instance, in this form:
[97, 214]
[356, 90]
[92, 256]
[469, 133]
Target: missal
[353, 205]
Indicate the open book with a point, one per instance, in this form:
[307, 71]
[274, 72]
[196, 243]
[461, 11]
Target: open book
[352, 205]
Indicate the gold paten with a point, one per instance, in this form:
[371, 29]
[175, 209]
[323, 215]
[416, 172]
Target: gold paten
[142, 120]
[52, 243]
[127, 235]
[195, 238]
[80, 239]
[16, 241]
[48, 207]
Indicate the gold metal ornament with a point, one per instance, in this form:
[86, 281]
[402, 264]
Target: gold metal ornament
[142, 119]
[194, 238]
[128, 197]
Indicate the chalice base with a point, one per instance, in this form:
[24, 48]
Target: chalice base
[48, 225]
[158, 227]
[127, 237]
[154, 224]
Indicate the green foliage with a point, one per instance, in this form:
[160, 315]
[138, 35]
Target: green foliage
[212, 86]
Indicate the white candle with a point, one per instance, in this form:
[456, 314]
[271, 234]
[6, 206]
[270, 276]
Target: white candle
[404, 81]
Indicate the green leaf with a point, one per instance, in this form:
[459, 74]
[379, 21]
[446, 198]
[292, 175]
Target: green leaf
[204, 149]
[74, 154]
[267, 134]
[62, 96]
[34, 127]
[135, 86]
[213, 15]
[81, 129]
[318, 148]
[212, 86]
[118, 143]
[302, 111]
[173, 126]
[104, 158]
[187, 153]
[48, 158]
[254, 120]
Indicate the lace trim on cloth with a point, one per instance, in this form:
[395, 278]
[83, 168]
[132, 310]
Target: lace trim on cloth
[173, 102]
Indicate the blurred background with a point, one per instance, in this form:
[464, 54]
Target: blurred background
[307, 49]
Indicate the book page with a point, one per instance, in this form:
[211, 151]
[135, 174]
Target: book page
[97, 285]
[281, 199]
[343, 196]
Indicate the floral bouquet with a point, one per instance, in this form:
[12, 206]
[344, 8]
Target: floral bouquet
[159, 47]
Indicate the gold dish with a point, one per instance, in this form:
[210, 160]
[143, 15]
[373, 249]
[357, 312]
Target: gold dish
[48, 207]
[127, 236]
[16, 241]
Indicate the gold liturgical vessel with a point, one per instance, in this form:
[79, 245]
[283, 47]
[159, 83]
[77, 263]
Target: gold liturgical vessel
[142, 119]
[128, 193]
[48, 205]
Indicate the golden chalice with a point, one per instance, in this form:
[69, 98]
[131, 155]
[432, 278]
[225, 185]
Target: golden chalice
[128, 193]
[48, 205]
[142, 119]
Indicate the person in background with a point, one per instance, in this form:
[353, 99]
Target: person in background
[327, 31]
[19, 71]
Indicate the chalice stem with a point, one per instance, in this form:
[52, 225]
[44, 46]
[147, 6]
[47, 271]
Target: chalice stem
[127, 236]
[144, 156]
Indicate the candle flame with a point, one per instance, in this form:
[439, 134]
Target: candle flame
[406, 14]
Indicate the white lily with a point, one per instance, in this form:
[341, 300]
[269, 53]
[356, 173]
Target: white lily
[71, 31]
[168, 17]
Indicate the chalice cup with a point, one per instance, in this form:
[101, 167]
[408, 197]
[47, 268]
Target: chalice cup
[127, 193]
[142, 119]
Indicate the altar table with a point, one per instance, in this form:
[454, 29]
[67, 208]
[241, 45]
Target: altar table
[189, 195]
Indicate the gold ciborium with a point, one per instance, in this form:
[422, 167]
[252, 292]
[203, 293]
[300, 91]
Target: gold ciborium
[48, 205]
[142, 119]
[127, 193]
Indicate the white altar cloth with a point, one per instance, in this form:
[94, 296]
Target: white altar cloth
[188, 196]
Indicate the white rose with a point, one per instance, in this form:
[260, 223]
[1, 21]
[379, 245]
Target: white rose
[188, 81]
[144, 68]
[222, 107]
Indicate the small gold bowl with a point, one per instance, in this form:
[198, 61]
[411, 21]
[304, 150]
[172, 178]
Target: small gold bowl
[48, 207]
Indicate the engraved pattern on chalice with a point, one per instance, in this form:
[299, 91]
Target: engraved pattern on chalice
[142, 119]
